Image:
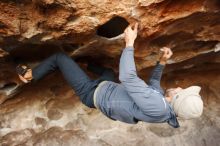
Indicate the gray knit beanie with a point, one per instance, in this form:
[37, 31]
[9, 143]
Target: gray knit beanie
[188, 104]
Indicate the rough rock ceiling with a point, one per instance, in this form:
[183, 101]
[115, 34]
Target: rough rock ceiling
[92, 30]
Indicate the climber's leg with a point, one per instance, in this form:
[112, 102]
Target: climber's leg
[106, 74]
[74, 75]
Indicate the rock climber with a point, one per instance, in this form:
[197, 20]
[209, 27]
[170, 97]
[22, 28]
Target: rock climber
[130, 101]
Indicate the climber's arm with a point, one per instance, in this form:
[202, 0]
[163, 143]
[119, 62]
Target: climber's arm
[127, 68]
[158, 69]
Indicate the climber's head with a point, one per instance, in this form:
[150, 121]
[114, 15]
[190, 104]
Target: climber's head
[187, 103]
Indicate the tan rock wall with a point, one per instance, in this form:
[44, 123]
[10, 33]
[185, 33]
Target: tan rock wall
[49, 113]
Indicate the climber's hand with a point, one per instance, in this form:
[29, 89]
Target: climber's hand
[131, 34]
[167, 53]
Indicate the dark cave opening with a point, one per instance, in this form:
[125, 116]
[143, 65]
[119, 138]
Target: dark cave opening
[113, 27]
[23, 53]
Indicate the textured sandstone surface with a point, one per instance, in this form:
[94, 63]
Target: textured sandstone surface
[49, 113]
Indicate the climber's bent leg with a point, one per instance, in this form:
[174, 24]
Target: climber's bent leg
[106, 74]
[73, 74]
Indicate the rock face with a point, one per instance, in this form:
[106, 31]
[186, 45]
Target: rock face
[49, 113]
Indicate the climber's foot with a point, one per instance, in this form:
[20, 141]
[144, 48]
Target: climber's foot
[24, 73]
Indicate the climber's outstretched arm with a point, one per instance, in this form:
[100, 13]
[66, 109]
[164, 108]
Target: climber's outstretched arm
[157, 72]
[127, 68]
